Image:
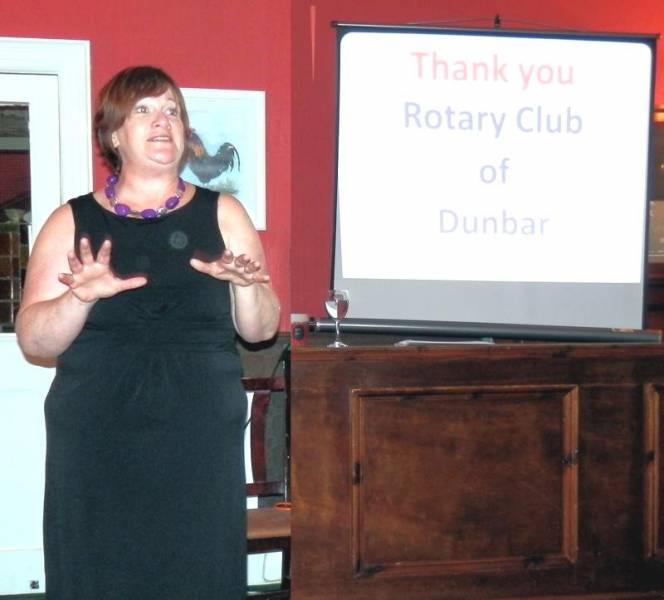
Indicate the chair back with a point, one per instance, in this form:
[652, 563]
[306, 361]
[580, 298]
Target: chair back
[264, 390]
[268, 527]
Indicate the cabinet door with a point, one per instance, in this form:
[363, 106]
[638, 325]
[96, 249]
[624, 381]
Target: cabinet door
[465, 480]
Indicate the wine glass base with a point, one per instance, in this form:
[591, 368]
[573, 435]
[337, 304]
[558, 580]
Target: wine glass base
[337, 344]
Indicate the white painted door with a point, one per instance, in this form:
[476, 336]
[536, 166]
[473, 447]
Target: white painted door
[53, 78]
[23, 386]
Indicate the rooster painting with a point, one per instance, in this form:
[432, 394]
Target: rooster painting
[226, 126]
[209, 166]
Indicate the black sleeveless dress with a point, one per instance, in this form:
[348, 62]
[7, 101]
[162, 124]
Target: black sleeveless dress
[144, 420]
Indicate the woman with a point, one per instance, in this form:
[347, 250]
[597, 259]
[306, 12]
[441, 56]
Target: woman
[138, 289]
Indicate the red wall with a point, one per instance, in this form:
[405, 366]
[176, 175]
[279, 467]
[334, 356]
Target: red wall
[314, 80]
[239, 44]
[287, 47]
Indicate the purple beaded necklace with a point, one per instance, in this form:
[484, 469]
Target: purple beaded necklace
[148, 213]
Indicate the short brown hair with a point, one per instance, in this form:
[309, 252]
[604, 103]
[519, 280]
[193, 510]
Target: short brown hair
[117, 98]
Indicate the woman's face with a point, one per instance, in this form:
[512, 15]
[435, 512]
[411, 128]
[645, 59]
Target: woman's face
[152, 134]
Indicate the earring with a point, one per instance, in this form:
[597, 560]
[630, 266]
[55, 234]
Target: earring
[114, 140]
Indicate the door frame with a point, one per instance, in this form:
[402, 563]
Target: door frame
[69, 60]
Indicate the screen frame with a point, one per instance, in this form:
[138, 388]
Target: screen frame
[649, 39]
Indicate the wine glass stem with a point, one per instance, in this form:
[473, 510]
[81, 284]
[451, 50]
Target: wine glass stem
[337, 332]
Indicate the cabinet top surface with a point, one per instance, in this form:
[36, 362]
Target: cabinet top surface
[498, 350]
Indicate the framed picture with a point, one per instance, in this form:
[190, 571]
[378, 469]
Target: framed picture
[228, 145]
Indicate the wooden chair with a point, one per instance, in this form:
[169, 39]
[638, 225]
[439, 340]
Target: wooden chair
[268, 527]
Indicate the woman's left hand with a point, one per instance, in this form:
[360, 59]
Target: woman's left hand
[239, 270]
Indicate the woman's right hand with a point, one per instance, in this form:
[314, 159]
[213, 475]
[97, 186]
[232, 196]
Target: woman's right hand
[92, 278]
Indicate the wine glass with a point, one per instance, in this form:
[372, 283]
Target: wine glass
[336, 305]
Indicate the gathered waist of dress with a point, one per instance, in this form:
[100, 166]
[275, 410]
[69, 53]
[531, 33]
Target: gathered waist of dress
[202, 336]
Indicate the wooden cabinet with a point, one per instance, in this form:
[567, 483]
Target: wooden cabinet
[460, 473]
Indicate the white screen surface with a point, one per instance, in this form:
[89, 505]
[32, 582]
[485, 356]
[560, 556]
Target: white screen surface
[493, 178]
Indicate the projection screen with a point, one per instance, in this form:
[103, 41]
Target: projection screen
[493, 176]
